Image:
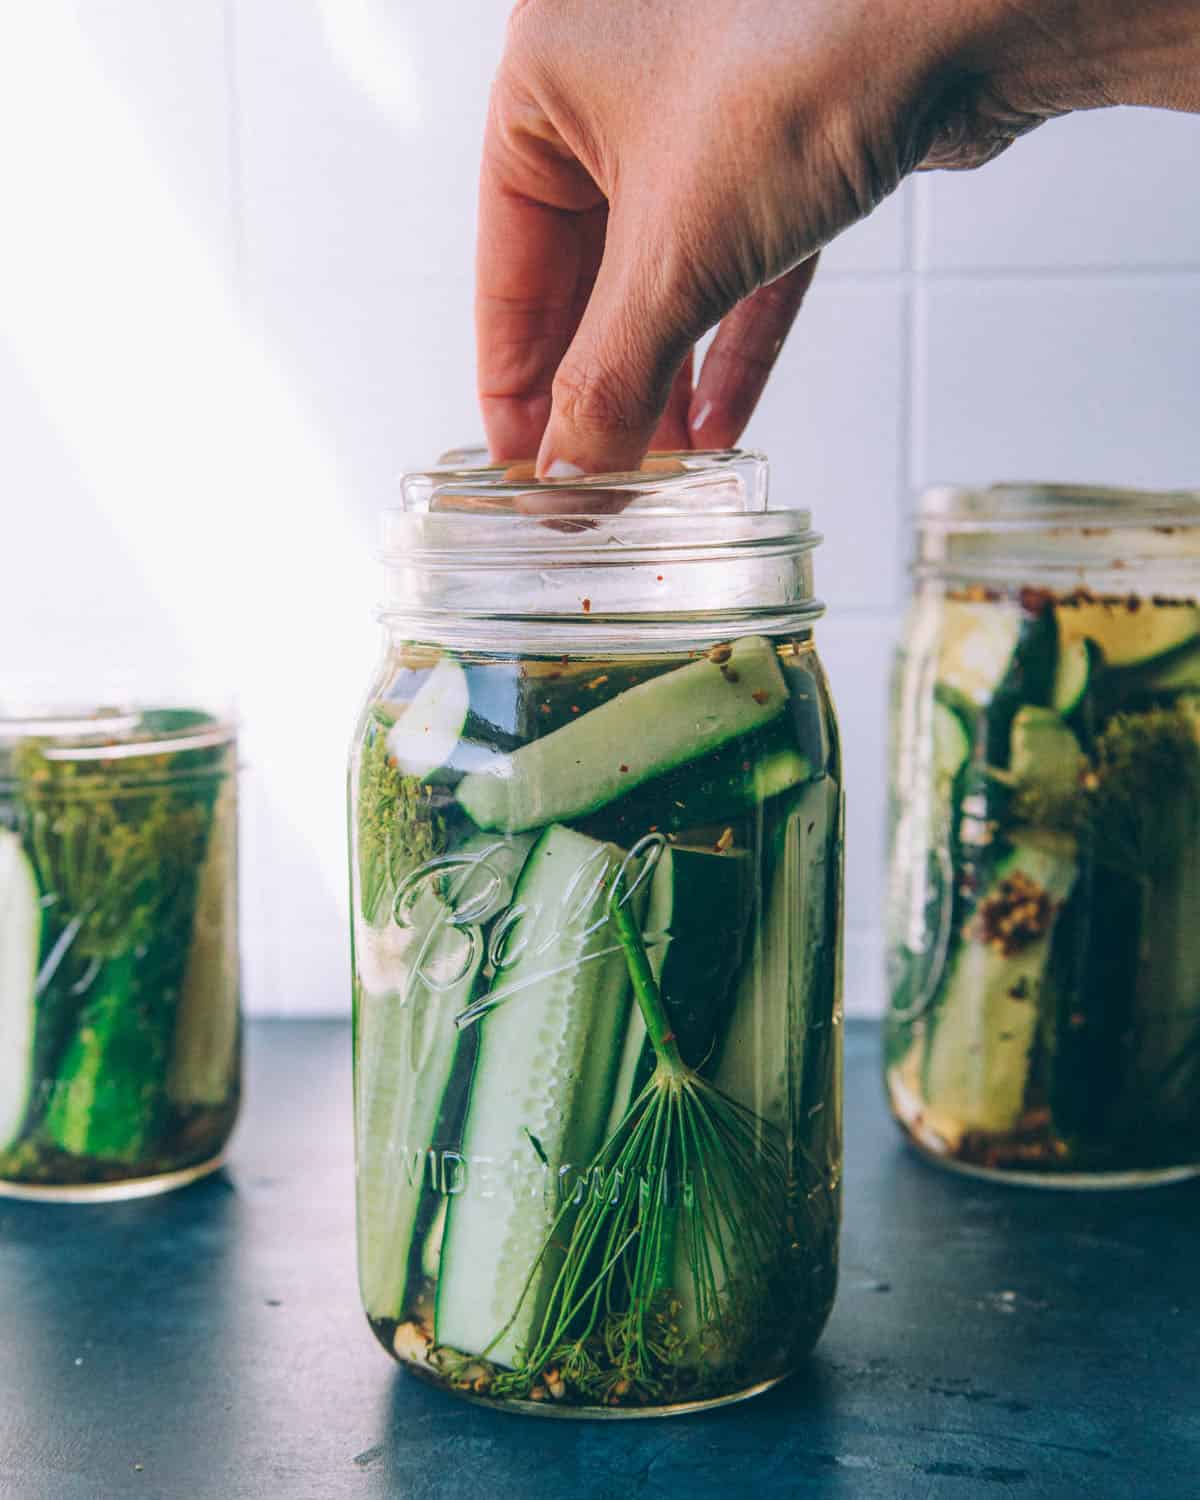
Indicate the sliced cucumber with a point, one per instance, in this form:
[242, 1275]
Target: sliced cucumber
[1180, 673]
[977, 1060]
[694, 928]
[108, 1100]
[951, 744]
[649, 729]
[20, 947]
[1045, 754]
[727, 784]
[762, 1057]
[540, 1097]
[204, 1058]
[921, 856]
[1128, 637]
[1077, 660]
[426, 733]
[976, 644]
[406, 1041]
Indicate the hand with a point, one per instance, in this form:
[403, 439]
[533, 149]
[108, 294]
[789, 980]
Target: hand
[655, 167]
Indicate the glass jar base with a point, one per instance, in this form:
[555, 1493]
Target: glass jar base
[599, 1413]
[1093, 1182]
[111, 1192]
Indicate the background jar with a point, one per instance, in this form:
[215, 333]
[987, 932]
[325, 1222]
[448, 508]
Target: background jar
[1044, 899]
[119, 982]
[596, 819]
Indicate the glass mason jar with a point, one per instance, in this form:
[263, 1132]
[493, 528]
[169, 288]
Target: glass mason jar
[596, 816]
[1044, 904]
[119, 994]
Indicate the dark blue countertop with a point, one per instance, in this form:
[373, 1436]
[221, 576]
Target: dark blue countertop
[987, 1341]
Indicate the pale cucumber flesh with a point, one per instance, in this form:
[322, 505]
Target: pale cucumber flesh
[20, 946]
[424, 736]
[204, 1058]
[424, 975]
[540, 1096]
[633, 737]
[976, 1066]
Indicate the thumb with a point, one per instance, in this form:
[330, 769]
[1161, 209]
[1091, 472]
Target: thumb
[614, 381]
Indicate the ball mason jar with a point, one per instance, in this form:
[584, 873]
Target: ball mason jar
[119, 985]
[1044, 902]
[596, 819]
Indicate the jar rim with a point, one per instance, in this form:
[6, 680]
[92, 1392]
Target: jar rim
[686, 544]
[104, 733]
[467, 480]
[578, 539]
[1037, 506]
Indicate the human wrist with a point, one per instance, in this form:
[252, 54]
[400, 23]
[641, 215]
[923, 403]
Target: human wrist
[1053, 56]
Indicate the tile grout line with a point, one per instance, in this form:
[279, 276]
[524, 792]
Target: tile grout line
[1182, 275]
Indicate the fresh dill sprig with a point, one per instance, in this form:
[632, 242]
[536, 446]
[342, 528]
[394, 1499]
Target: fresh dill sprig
[118, 858]
[670, 1261]
[1135, 802]
[398, 829]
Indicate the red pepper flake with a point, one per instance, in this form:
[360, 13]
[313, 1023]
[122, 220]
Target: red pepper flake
[760, 695]
[658, 578]
[587, 605]
[623, 768]
[574, 708]
[545, 708]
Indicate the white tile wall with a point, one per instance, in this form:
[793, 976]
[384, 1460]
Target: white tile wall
[234, 304]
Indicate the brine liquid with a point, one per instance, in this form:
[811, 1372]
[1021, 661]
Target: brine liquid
[751, 976]
[124, 1006]
[1040, 1031]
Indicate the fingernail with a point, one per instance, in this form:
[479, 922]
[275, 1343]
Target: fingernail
[561, 468]
[702, 416]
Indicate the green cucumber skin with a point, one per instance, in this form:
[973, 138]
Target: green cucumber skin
[979, 1043]
[1165, 1073]
[697, 913]
[1092, 980]
[206, 1048]
[924, 900]
[20, 949]
[782, 1043]
[762, 1056]
[1029, 680]
[726, 785]
[109, 1100]
[406, 1049]
[665, 722]
[540, 1095]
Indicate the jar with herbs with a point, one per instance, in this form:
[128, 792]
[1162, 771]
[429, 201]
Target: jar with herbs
[596, 814]
[1044, 906]
[119, 992]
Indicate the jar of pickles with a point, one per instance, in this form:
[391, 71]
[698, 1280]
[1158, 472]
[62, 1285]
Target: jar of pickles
[596, 819]
[119, 994]
[1044, 905]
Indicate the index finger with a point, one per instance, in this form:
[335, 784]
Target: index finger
[535, 265]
